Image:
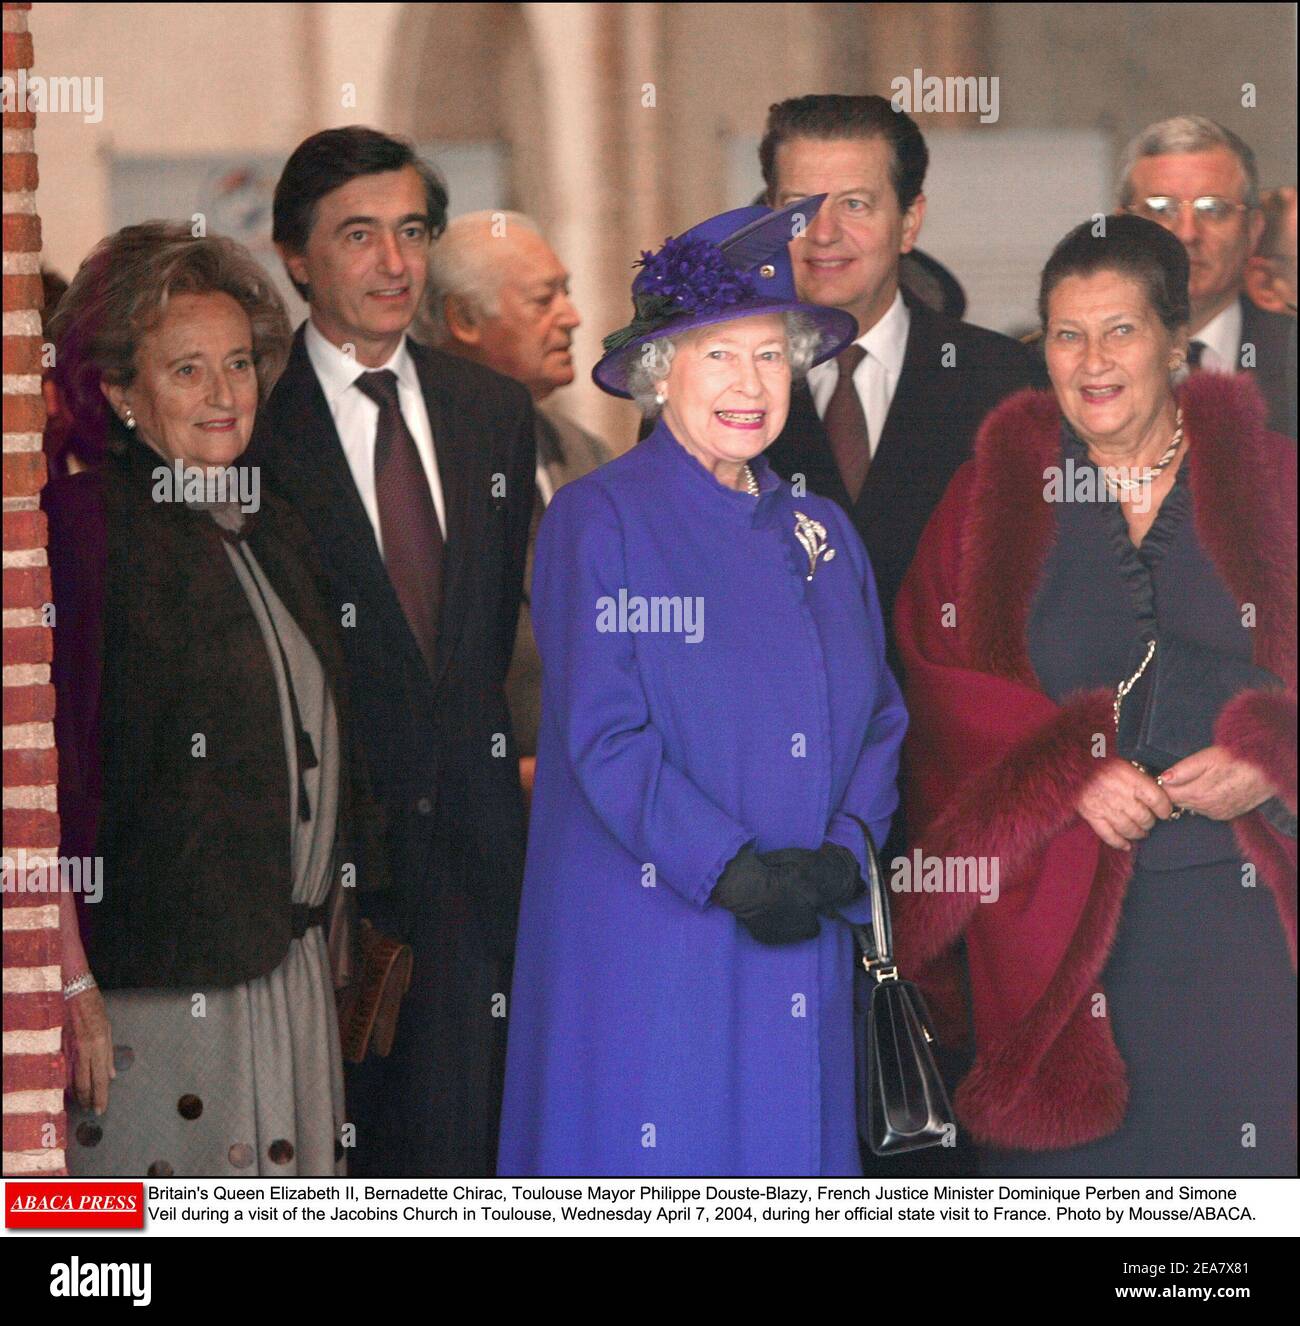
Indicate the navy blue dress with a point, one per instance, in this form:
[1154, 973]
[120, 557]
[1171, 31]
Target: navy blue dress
[1198, 984]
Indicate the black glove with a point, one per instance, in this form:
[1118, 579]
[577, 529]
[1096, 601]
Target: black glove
[829, 876]
[768, 900]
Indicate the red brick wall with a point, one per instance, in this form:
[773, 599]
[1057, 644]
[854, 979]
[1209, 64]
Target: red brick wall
[34, 1124]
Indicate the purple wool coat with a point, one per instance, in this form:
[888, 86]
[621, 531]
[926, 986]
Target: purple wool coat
[699, 692]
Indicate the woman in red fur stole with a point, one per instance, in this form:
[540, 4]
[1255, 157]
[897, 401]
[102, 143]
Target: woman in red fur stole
[1132, 944]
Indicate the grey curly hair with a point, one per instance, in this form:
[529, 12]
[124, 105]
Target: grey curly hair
[651, 361]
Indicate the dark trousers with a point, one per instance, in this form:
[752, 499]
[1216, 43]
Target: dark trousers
[432, 1109]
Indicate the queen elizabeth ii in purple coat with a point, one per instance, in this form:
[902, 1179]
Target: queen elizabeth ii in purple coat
[716, 707]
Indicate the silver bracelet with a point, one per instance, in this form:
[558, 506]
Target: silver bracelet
[78, 985]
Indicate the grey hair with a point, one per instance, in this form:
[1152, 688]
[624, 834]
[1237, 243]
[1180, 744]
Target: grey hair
[652, 360]
[1183, 134]
[459, 264]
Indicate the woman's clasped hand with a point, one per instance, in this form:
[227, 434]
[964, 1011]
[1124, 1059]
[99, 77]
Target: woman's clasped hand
[777, 896]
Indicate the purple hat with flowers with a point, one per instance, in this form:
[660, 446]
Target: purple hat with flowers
[734, 265]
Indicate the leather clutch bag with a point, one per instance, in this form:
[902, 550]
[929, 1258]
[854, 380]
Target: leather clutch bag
[902, 1103]
[1175, 690]
[369, 1006]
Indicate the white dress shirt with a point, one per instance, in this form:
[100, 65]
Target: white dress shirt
[544, 485]
[876, 377]
[1221, 337]
[356, 417]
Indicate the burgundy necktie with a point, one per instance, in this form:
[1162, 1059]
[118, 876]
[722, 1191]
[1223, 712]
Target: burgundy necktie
[408, 522]
[846, 424]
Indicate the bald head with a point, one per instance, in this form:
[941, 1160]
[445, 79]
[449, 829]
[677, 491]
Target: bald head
[499, 295]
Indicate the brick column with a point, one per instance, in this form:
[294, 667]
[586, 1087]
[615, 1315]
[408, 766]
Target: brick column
[34, 1123]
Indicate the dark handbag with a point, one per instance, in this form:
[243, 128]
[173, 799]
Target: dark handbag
[902, 1103]
[1175, 690]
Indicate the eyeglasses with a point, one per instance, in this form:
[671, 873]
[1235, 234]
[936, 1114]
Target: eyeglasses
[1207, 210]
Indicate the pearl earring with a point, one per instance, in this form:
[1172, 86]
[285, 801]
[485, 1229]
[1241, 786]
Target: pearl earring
[660, 398]
[129, 418]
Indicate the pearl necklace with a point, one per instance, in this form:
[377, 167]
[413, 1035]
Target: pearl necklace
[751, 484]
[1152, 472]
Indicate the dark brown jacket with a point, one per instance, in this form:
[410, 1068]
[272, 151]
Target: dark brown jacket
[194, 825]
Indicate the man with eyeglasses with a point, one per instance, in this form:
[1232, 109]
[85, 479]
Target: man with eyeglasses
[1199, 180]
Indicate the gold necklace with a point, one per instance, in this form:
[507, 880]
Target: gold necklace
[751, 484]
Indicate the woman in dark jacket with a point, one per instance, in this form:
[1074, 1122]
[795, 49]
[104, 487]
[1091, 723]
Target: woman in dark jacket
[1132, 980]
[225, 819]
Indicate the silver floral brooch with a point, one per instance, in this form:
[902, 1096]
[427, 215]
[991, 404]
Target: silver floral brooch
[812, 535]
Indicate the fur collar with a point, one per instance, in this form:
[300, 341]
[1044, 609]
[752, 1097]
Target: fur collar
[1242, 480]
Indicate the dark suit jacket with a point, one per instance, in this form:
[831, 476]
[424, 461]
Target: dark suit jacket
[1274, 337]
[953, 374]
[440, 752]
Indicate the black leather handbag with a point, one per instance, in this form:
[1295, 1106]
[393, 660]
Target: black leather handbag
[902, 1104]
[1175, 690]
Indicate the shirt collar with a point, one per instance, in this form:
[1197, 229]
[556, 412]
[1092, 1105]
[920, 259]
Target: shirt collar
[1222, 335]
[338, 371]
[886, 342]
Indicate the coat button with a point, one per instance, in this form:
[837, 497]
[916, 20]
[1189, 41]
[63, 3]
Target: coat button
[425, 805]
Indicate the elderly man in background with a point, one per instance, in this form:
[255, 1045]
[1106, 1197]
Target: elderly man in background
[1271, 273]
[497, 294]
[1199, 180]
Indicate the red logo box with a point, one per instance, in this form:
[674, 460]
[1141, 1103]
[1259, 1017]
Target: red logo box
[51, 1204]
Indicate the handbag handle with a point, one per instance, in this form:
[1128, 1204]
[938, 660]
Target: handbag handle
[1122, 690]
[877, 940]
[1121, 693]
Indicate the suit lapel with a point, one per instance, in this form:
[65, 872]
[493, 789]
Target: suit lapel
[905, 423]
[1273, 339]
[456, 464]
[326, 495]
[550, 452]
[804, 448]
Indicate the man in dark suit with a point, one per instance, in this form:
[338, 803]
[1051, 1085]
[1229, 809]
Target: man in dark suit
[882, 428]
[414, 473]
[1200, 180]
